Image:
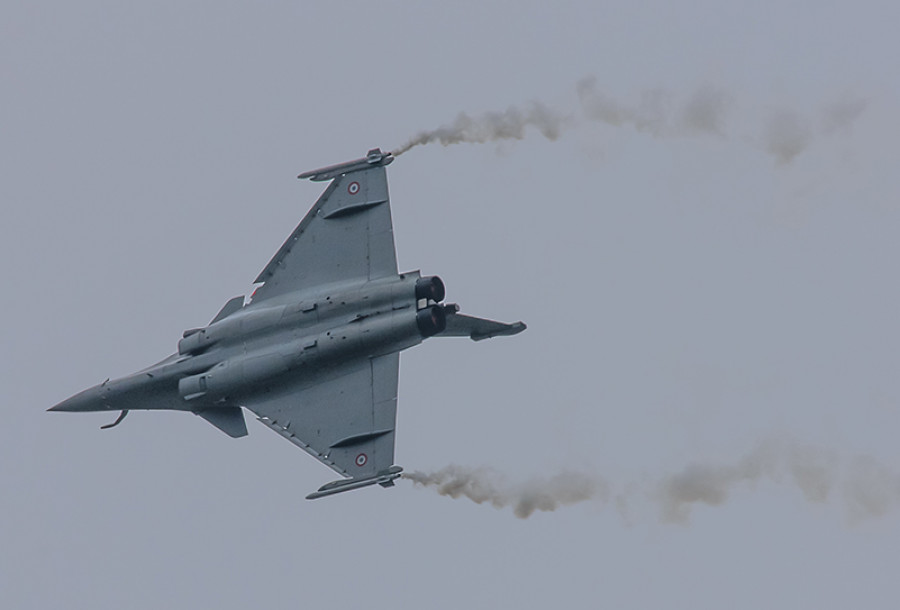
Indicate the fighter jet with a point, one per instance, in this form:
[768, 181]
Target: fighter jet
[314, 353]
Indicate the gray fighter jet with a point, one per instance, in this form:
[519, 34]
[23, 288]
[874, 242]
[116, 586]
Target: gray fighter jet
[314, 353]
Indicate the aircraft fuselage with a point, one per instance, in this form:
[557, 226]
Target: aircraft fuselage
[254, 349]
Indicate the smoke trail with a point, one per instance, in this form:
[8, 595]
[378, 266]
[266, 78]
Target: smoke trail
[842, 114]
[491, 127]
[786, 135]
[812, 471]
[483, 485]
[599, 106]
[657, 112]
[868, 489]
[708, 110]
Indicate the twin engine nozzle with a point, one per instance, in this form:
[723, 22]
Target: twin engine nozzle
[431, 319]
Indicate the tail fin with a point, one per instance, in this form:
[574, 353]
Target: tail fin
[459, 325]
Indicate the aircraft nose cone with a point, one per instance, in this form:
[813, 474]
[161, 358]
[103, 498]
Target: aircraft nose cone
[88, 400]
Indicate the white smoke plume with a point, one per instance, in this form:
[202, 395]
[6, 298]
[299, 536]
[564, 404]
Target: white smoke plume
[865, 488]
[708, 110]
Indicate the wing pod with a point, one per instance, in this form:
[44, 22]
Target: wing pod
[384, 478]
[374, 158]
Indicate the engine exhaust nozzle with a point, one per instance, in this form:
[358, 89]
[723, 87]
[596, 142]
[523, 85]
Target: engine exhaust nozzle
[431, 288]
[431, 320]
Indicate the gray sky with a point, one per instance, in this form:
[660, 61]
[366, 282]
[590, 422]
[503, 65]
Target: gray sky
[705, 257]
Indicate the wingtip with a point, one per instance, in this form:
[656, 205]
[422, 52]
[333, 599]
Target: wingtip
[373, 158]
[510, 329]
[384, 478]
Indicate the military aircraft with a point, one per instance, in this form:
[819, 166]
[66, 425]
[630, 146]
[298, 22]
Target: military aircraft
[315, 351]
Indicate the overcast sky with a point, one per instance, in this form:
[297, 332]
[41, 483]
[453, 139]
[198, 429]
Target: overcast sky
[704, 249]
